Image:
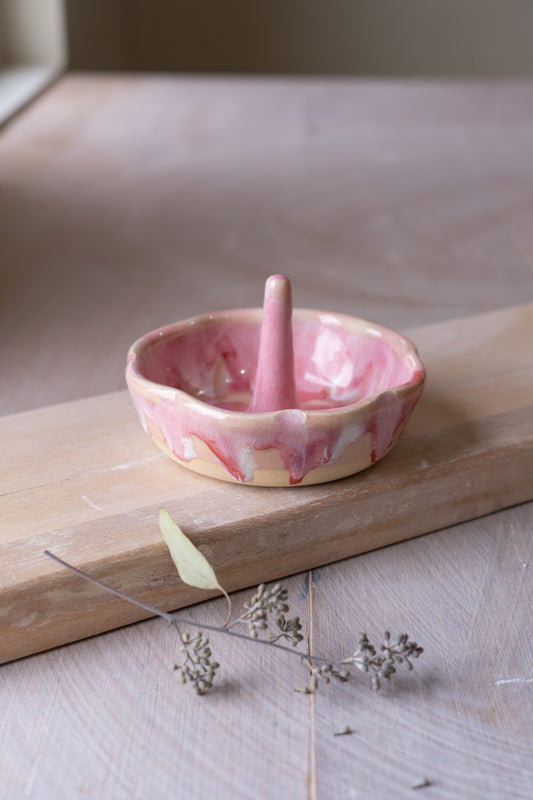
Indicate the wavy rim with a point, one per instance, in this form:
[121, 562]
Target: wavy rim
[144, 341]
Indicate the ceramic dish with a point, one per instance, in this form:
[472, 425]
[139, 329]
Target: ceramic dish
[193, 383]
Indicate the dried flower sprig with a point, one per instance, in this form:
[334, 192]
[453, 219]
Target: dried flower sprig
[197, 667]
[383, 665]
[266, 603]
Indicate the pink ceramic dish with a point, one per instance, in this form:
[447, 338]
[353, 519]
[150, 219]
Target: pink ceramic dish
[356, 385]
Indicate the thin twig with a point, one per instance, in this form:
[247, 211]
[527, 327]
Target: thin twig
[174, 620]
[156, 611]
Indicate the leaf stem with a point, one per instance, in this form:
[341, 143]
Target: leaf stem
[237, 621]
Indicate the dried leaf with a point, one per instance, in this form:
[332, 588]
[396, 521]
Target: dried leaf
[193, 567]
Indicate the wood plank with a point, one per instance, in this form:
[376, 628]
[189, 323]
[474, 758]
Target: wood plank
[151, 198]
[467, 452]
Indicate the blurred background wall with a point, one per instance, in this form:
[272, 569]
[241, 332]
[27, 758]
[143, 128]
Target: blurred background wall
[33, 50]
[369, 37]
[433, 38]
[32, 32]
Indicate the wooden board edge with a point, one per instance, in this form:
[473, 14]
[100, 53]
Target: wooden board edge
[496, 474]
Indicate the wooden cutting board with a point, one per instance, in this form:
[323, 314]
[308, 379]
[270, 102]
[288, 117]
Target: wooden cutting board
[83, 480]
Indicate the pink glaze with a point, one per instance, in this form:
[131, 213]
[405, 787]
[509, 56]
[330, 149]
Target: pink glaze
[274, 387]
[356, 385]
[214, 359]
[302, 445]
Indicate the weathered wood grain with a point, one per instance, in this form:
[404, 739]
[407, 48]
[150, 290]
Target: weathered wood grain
[463, 717]
[141, 733]
[470, 453]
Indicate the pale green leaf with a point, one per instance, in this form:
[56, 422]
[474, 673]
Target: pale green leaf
[193, 567]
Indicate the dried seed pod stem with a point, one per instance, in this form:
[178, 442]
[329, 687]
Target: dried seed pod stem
[198, 669]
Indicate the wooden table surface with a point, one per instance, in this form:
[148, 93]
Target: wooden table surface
[129, 202]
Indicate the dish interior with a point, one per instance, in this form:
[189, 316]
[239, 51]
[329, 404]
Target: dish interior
[339, 361]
